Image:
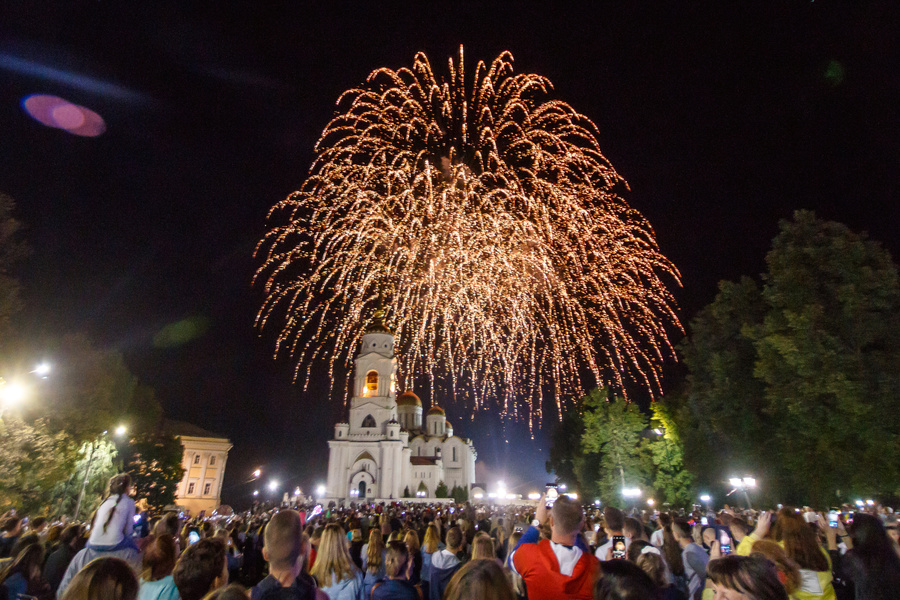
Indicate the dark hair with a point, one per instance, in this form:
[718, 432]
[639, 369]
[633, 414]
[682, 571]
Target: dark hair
[234, 591]
[615, 518]
[682, 527]
[103, 579]
[10, 523]
[159, 558]
[635, 548]
[70, 534]
[22, 542]
[621, 580]
[198, 568]
[118, 486]
[396, 560]
[754, 576]
[28, 557]
[873, 558]
[632, 526]
[672, 551]
[37, 522]
[454, 537]
[567, 514]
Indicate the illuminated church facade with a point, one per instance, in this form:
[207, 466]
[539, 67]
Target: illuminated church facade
[385, 450]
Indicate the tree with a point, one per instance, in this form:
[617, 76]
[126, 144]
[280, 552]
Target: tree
[422, 487]
[569, 461]
[95, 464]
[33, 461]
[154, 463]
[406, 492]
[459, 494]
[671, 480]
[441, 491]
[613, 429]
[795, 375]
[12, 250]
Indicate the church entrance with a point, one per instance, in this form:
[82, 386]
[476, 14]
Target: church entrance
[362, 489]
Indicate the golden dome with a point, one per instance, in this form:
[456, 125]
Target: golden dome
[436, 410]
[408, 398]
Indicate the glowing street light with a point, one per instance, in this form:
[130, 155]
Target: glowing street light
[534, 496]
[650, 501]
[320, 490]
[120, 430]
[42, 370]
[11, 394]
[297, 491]
[631, 492]
[257, 473]
[743, 484]
[705, 498]
[273, 485]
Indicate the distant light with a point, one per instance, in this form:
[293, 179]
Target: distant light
[273, 485]
[658, 431]
[534, 496]
[631, 492]
[870, 502]
[650, 501]
[478, 496]
[562, 486]
[12, 394]
[597, 502]
[320, 491]
[510, 496]
[59, 113]
[492, 495]
[572, 495]
[120, 430]
[257, 473]
[860, 503]
[256, 492]
[735, 482]
[749, 482]
[42, 370]
[705, 498]
[297, 491]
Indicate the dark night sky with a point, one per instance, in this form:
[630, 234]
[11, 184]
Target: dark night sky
[723, 120]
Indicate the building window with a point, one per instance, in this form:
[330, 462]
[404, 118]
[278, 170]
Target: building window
[196, 459]
[206, 488]
[454, 453]
[369, 421]
[190, 488]
[212, 461]
[371, 383]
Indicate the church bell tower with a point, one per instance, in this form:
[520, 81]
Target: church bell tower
[374, 404]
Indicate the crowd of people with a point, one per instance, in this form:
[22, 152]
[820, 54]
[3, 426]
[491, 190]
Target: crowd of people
[410, 551]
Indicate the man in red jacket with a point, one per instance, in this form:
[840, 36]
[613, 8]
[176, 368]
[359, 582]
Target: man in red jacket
[560, 567]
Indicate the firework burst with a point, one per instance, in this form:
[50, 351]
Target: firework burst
[485, 218]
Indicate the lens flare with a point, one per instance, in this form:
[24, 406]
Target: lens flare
[59, 113]
[482, 217]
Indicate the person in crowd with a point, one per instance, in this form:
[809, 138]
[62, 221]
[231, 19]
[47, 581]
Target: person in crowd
[59, 559]
[429, 547]
[26, 539]
[893, 531]
[373, 561]
[479, 580]
[801, 545]
[104, 578]
[693, 558]
[23, 574]
[201, 569]
[445, 563]
[158, 563]
[744, 578]
[113, 523]
[615, 526]
[559, 567]
[12, 529]
[51, 538]
[397, 585]
[334, 570]
[356, 546]
[871, 565]
[664, 520]
[622, 579]
[233, 591]
[39, 527]
[483, 548]
[411, 539]
[634, 531]
[650, 561]
[738, 529]
[285, 550]
[787, 569]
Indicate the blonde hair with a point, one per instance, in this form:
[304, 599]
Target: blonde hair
[432, 539]
[652, 565]
[411, 539]
[375, 552]
[333, 558]
[483, 547]
[784, 565]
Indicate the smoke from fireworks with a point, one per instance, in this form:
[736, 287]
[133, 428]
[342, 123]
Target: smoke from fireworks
[483, 217]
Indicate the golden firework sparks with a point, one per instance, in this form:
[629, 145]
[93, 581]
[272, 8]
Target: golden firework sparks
[487, 219]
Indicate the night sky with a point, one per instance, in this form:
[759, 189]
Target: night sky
[722, 119]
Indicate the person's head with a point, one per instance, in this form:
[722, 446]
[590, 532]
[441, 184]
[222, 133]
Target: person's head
[614, 518]
[652, 564]
[38, 524]
[168, 525]
[871, 543]
[356, 535]
[234, 591]
[119, 484]
[454, 538]
[23, 542]
[633, 529]
[395, 536]
[70, 534]
[708, 535]
[479, 580]
[103, 579]
[566, 517]
[53, 533]
[799, 540]
[159, 558]
[665, 519]
[635, 549]
[28, 561]
[12, 526]
[789, 572]
[681, 529]
[483, 547]
[283, 547]
[432, 539]
[333, 557]
[736, 577]
[396, 560]
[738, 527]
[201, 569]
[411, 539]
[375, 551]
[621, 579]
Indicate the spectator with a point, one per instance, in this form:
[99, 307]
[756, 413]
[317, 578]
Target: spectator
[479, 579]
[558, 567]
[39, 526]
[429, 547]
[201, 569]
[411, 539]
[753, 577]
[23, 575]
[113, 523]
[445, 563]
[373, 560]
[615, 525]
[801, 545]
[59, 559]
[397, 567]
[334, 570]
[356, 546]
[105, 578]
[787, 569]
[156, 581]
[234, 591]
[650, 561]
[12, 529]
[621, 579]
[285, 550]
[656, 538]
[693, 557]
[634, 531]
[871, 565]
[483, 548]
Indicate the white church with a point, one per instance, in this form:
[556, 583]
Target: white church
[385, 450]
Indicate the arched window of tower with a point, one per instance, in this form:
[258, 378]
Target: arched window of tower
[369, 421]
[372, 383]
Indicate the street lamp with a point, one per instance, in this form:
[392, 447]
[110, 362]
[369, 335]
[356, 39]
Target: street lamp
[320, 490]
[42, 370]
[120, 431]
[631, 492]
[257, 473]
[273, 485]
[743, 484]
[650, 502]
